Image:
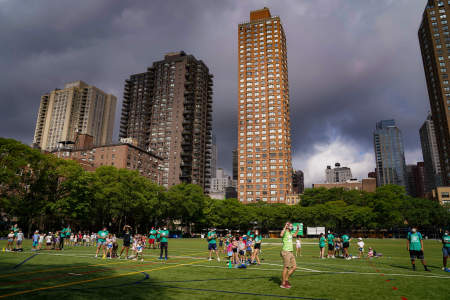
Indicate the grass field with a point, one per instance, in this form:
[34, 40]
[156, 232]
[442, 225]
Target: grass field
[76, 274]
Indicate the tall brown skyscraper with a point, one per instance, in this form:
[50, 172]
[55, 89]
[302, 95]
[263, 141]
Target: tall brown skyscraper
[434, 38]
[168, 110]
[264, 145]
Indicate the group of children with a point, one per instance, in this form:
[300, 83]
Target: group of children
[242, 250]
[338, 247]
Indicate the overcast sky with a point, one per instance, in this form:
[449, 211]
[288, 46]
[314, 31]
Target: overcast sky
[351, 63]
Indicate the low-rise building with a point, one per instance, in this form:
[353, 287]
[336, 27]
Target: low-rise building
[442, 194]
[120, 155]
[366, 185]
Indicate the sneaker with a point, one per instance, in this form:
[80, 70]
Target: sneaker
[165, 258]
[218, 259]
[96, 255]
[160, 258]
[427, 270]
[210, 259]
[285, 286]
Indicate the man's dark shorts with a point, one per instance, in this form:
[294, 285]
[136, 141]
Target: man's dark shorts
[414, 254]
[212, 246]
[330, 247]
[346, 245]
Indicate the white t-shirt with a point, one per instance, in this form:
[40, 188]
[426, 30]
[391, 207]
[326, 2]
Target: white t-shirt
[41, 239]
[360, 244]
[20, 236]
[11, 236]
[48, 238]
[298, 243]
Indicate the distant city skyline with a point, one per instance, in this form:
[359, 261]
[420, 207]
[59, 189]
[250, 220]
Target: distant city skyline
[368, 77]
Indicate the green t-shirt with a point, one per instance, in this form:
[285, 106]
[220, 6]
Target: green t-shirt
[250, 234]
[102, 234]
[16, 230]
[65, 232]
[258, 239]
[330, 238]
[212, 237]
[446, 240]
[322, 241]
[152, 234]
[164, 235]
[345, 238]
[287, 241]
[414, 241]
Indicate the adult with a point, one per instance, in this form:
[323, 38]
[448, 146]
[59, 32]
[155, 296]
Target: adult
[445, 249]
[289, 263]
[415, 248]
[164, 242]
[212, 244]
[15, 230]
[322, 246]
[101, 242]
[126, 241]
[346, 244]
[258, 241]
[330, 239]
[151, 239]
[65, 232]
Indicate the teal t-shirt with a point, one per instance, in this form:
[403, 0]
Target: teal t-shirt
[345, 238]
[446, 240]
[164, 235]
[322, 241]
[414, 241]
[258, 239]
[102, 234]
[330, 238]
[15, 229]
[152, 234]
[287, 241]
[212, 237]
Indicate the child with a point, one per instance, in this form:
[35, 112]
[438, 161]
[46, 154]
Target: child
[35, 241]
[298, 246]
[10, 241]
[19, 241]
[361, 247]
[221, 244]
[48, 240]
[71, 239]
[242, 247]
[115, 245]
[235, 245]
[139, 250]
[337, 246]
[370, 254]
[230, 251]
[249, 250]
[41, 241]
[109, 246]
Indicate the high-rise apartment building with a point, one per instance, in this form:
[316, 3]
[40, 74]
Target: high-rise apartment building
[78, 108]
[214, 155]
[434, 38]
[168, 111]
[389, 154]
[235, 165]
[337, 174]
[298, 182]
[416, 179]
[430, 155]
[264, 145]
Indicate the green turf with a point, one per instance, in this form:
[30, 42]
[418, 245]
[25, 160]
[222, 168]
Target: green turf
[76, 274]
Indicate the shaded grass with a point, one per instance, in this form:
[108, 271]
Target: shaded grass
[76, 274]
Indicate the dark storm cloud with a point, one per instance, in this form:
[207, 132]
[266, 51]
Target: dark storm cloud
[351, 63]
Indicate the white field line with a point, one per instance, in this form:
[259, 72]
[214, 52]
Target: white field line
[309, 270]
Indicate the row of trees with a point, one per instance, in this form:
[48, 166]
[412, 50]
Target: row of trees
[42, 191]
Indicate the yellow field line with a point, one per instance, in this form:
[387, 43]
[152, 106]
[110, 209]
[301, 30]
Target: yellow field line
[95, 279]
